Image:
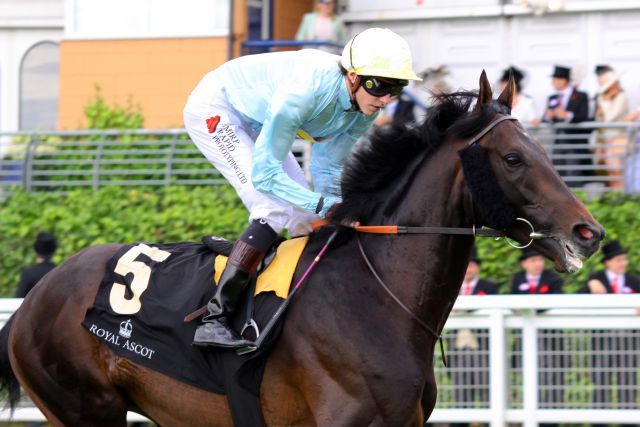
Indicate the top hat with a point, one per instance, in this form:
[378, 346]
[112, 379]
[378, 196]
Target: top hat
[561, 72]
[528, 252]
[45, 244]
[612, 249]
[474, 255]
[325, 1]
[602, 68]
[517, 75]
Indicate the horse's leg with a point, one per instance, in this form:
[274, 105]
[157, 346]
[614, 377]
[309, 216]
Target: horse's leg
[60, 365]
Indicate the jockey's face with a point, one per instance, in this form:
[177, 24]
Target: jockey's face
[369, 104]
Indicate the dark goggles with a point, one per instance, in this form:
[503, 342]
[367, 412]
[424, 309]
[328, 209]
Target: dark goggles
[378, 86]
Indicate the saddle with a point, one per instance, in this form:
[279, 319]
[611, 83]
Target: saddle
[140, 315]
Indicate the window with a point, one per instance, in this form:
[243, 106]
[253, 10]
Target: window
[39, 87]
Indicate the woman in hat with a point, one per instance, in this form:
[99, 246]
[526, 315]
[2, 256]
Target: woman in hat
[322, 25]
[612, 105]
[522, 108]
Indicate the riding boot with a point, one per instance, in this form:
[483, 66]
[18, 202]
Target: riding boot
[246, 255]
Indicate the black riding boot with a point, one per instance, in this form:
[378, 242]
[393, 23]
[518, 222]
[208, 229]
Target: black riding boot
[246, 255]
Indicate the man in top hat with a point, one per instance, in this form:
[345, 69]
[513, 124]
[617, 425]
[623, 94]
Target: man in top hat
[45, 247]
[614, 279]
[568, 105]
[614, 355]
[534, 279]
[469, 349]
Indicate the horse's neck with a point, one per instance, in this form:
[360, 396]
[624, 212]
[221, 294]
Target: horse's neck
[425, 271]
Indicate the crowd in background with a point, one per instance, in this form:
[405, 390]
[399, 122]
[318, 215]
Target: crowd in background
[532, 278]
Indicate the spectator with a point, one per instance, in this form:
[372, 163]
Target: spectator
[323, 25]
[568, 105]
[45, 247]
[614, 357]
[612, 105]
[522, 108]
[535, 279]
[632, 162]
[469, 360]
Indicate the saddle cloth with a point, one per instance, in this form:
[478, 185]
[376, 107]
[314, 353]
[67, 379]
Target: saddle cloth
[149, 288]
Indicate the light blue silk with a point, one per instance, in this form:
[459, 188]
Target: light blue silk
[280, 93]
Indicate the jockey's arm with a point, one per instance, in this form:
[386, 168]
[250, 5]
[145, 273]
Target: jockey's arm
[288, 111]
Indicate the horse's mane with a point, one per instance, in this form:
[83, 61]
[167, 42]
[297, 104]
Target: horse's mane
[380, 169]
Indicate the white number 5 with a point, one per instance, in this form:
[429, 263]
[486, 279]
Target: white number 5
[141, 275]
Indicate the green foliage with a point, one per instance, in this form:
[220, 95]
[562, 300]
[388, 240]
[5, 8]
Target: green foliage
[83, 218]
[101, 115]
[175, 213]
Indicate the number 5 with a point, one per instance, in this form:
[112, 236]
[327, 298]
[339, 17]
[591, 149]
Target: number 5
[141, 275]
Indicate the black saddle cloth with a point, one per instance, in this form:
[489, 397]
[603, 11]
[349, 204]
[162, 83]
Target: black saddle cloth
[157, 337]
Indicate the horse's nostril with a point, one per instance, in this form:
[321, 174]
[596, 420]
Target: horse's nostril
[584, 232]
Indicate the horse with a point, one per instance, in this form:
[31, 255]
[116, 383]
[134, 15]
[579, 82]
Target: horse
[349, 354]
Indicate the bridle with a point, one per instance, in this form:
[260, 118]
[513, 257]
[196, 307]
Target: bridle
[473, 231]
[469, 231]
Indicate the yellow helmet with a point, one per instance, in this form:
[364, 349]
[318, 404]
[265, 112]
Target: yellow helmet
[379, 52]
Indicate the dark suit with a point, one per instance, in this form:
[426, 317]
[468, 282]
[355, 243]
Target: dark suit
[578, 105]
[32, 275]
[470, 366]
[611, 350]
[551, 351]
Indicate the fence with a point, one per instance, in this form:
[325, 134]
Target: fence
[593, 161]
[525, 359]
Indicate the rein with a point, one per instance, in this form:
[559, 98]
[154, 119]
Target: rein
[429, 329]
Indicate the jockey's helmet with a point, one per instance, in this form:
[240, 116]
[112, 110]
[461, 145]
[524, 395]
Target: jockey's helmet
[379, 52]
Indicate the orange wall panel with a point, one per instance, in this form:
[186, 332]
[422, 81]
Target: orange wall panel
[157, 74]
[287, 15]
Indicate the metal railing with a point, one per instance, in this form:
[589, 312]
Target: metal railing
[524, 359]
[595, 157]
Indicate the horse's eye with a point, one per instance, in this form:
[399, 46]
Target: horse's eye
[513, 159]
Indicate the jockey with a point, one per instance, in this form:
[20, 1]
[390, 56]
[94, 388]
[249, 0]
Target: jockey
[245, 115]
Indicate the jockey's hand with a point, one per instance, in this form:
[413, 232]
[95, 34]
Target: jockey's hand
[343, 222]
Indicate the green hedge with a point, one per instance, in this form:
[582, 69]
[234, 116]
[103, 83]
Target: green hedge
[113, 214]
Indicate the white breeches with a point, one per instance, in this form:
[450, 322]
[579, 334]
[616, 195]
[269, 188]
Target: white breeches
[229, 148]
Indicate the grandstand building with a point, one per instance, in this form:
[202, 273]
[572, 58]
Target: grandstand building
[53, 53]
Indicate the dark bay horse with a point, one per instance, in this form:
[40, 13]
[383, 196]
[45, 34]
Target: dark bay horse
[348, 355]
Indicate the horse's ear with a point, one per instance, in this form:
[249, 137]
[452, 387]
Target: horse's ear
[506, 97]
[485, 94]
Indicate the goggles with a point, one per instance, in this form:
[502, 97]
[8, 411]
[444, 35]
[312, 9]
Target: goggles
[378, 87]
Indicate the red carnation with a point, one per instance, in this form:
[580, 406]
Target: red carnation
[481, 293]
[544, 289]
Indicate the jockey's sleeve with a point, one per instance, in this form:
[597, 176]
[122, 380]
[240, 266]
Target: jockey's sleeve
[290, 107]
[327, 160]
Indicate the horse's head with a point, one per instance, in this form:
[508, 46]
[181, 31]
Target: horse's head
[510, 176]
